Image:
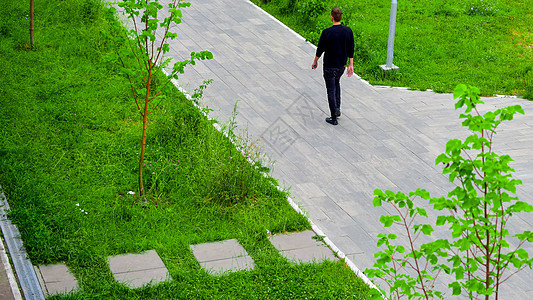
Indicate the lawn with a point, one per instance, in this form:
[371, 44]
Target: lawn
[69, 141]
[438, 43]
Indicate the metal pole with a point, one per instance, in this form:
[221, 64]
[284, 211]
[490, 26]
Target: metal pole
[392, 29]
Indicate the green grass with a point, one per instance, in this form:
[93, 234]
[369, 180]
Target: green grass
[438, 43]
[69, 141]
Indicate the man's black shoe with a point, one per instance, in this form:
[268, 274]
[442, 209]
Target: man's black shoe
[338, 114]
[332, 121]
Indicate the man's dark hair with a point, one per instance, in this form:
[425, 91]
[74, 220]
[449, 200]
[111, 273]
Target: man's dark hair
[336, 13]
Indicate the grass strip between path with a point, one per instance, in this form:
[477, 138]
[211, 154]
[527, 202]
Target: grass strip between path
[69, 142]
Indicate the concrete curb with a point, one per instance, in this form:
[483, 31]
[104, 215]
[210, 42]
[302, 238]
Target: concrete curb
[10, 275]
[29, 284]
[333, 247]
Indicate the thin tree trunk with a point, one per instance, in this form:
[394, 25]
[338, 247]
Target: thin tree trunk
[145, 121]
[31, 24]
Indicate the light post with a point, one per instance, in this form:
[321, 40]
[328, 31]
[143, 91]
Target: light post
[392, 29]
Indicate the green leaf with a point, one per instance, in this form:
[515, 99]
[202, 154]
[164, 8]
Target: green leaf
[460, 90]
[441, 220]
[526, 235]
[456, 288]
[378, 192]
[387, 221]
[422, 193]
[522, 254]
[517, 263]
[520, 206]
[453, 145]
[422, 212]
[504, 244]
[459, 273]
[377, 201]
[427, 229]
[390, 194]
[171, 35]
[442, 159]
[153, 24]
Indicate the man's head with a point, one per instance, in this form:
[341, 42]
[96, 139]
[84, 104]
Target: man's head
[336, 14]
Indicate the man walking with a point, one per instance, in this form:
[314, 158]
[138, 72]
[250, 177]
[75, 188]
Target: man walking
[337, 44]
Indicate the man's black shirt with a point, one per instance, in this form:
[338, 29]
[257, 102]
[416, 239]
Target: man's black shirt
[338, 44]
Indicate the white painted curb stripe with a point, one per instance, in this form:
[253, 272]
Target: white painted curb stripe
[333, 247]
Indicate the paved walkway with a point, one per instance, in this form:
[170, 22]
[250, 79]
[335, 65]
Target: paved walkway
[387, 138]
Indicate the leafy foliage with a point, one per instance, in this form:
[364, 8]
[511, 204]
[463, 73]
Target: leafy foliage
[311, 8]
[478, 253]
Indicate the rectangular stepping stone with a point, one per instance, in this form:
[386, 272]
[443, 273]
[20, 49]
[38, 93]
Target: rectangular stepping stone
[220, 257]
[55, 279]
[137, 270]
[302, 247]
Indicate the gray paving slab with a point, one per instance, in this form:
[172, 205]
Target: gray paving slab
[56, 279]
[387, 138]
[137, 270]
[220, 257]
[302, 247]
[234, 264]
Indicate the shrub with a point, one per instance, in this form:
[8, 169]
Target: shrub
[478, 254]
[311, 9]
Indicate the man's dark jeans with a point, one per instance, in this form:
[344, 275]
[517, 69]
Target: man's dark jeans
[332, 77]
